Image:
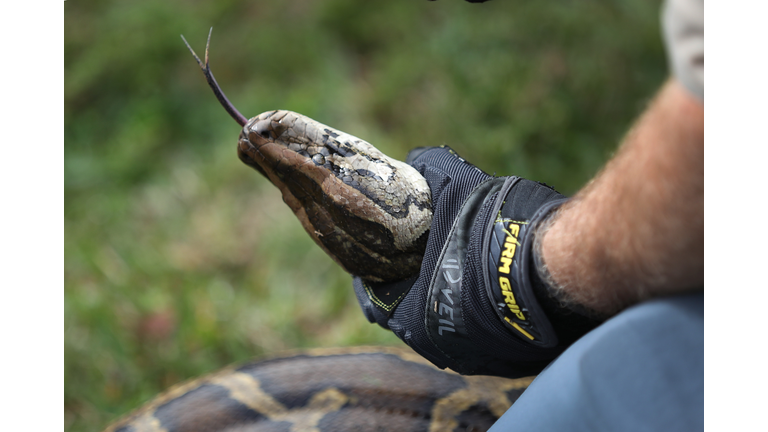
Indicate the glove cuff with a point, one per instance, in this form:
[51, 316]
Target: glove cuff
[522, 299]
[509, 244]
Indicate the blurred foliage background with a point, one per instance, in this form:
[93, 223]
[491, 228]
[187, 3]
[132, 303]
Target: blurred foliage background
[181, 260]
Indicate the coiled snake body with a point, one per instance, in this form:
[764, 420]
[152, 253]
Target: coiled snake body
[330, 390]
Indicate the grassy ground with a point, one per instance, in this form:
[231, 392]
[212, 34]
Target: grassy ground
[181, 260]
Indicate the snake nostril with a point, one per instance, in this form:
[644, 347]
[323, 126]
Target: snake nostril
[262, 128]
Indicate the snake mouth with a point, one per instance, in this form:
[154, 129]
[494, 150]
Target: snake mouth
[250, 155]
[264, 129]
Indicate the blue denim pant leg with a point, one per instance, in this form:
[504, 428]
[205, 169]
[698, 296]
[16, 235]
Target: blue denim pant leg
[642, 370]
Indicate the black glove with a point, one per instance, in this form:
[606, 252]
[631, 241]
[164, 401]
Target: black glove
[478, 305]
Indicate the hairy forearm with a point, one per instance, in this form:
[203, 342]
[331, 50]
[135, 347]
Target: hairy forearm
[637, 230]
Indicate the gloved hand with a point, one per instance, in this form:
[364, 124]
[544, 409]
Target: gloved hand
[478, 305]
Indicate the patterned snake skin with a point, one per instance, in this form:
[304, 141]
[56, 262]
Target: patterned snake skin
[370, 212]
[343, 389]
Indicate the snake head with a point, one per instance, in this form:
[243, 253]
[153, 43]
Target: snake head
[369, 212]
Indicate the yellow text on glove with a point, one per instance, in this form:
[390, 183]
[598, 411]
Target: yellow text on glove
[510, 247]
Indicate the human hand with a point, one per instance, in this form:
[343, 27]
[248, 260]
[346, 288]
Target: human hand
[478, 305]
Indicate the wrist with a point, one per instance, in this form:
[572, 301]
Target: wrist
[569, 319]
[574, 266]
[636, 231]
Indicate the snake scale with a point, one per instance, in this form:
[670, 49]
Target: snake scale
[330, 390]
[371, 214]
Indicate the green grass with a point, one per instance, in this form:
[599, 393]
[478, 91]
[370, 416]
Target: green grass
[181, 260]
